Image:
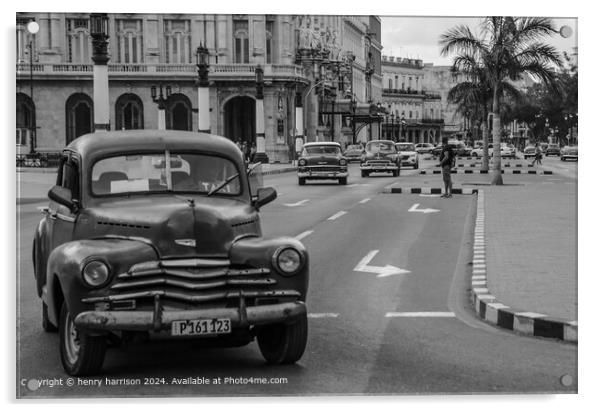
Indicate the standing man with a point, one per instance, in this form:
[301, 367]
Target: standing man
[446, 161]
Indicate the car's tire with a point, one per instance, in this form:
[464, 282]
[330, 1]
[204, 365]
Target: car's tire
[396, 173]
[301, 181]
[562, 159]
[283, 343]
[342, 180]
[365, 173]
[81, 354]
[416, 165]
[46, 324]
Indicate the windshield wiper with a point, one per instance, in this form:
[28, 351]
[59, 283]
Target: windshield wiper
[222, 185]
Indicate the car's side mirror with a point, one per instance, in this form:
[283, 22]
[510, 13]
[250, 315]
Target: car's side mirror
[63, 196]
[264, 196]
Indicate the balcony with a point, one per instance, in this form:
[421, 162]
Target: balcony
[410, 93]
[217, 72]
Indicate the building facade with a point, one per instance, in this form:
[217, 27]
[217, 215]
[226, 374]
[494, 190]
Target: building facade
[415, 112]
[299, 55]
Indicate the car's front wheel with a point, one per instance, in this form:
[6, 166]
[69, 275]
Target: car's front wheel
[81, 354]
[365, 173]
[46, 324]
[342, 180]
[283, 343]
[301, 181]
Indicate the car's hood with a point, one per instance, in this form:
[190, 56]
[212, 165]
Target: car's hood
[410, 153]
[177, 225]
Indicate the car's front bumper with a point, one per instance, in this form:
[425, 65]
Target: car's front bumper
[409, 162]
[161, 320]
[378, 167]
[308, 173]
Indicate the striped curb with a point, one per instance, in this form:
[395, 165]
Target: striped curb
[504, 165]
[427, 190]
[504, 171]
[491, 310]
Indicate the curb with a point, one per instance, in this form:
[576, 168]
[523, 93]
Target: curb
[514, 172]
[504, 165]
[492, 311]
[427, 190]
[36, 169]
[29, 200]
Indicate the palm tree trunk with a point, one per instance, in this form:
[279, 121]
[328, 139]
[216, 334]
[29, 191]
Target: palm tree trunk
[497, 134]
[485, 158]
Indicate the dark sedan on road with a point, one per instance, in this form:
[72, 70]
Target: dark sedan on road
[320, 161]
[380, 156]
[353, 153]
[157, 234]
[553, 150]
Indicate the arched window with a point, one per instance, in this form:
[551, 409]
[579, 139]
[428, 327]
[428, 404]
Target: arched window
[129, 112]
[26, 113]
[178, 112]
[79, 113]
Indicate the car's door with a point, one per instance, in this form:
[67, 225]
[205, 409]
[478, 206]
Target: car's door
[61, 217]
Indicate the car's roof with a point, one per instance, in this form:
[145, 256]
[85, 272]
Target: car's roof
[103, 143]
[381, 141]
[322, 144]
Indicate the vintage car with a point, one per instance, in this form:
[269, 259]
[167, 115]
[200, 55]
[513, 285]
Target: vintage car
[322, 160]
[569, 152]
[132, 247]
[408, 156]
[423, 148]
[478, 151]
[353, 153]
[553, 149]
[529, 151]
[380, 156]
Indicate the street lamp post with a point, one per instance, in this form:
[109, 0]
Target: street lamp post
[32, 28]
[403, 127]
[202, 64]
[160, 100]
[260, 154]
[99, 31]
[398, 127]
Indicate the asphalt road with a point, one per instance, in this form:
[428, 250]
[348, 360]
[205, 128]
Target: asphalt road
[411, 331]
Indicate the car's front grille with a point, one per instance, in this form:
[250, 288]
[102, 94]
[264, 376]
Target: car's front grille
[384, 162]
[332, 168]
[192, 281]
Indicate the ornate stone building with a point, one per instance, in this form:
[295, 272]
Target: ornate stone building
[319, 64]
[415, 113]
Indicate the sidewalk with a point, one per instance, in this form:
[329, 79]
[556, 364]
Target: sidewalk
[33, 183]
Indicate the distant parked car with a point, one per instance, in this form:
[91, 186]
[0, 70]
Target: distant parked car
[322, 160]
[408, 156]
[478, 151]
[437, 150]
[354, 153]
[507, 150]
[529, 152]
[569, 152]
[424, 148]
[380, 156]
[553, 150]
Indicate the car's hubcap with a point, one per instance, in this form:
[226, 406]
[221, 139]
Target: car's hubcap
[71, 341]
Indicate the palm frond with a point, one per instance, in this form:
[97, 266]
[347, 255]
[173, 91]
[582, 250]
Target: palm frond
[533, 28]
[460, 39]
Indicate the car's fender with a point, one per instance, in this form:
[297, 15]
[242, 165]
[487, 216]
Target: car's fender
[259, 252]
[65, 264]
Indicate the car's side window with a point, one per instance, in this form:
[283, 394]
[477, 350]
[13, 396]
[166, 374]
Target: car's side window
[70, 177]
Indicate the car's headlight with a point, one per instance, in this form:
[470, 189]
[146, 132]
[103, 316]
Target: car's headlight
[302, 162]
[343, 162]
[96, 273]
[288, 261]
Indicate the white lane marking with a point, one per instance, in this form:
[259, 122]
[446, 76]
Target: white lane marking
[337, 215]
[425, 195]
[299, 203]
[304, 234]
[322, 315]
[420, 315]
[427, 210]
[366, 200]
[382, 271]
[352, 185]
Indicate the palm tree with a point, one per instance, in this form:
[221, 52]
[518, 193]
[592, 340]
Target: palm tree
[509, 48]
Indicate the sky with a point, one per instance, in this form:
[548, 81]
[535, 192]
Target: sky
[418, 37]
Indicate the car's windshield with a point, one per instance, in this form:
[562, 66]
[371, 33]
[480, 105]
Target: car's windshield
[380, 147]
[330, 150]
[149, 173]
[405, 147]
[353, 148]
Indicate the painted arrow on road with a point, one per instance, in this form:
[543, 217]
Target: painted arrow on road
[299, 203]
[427, 210]
[382, 271]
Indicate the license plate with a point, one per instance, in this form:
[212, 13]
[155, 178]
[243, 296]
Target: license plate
[200, 327]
